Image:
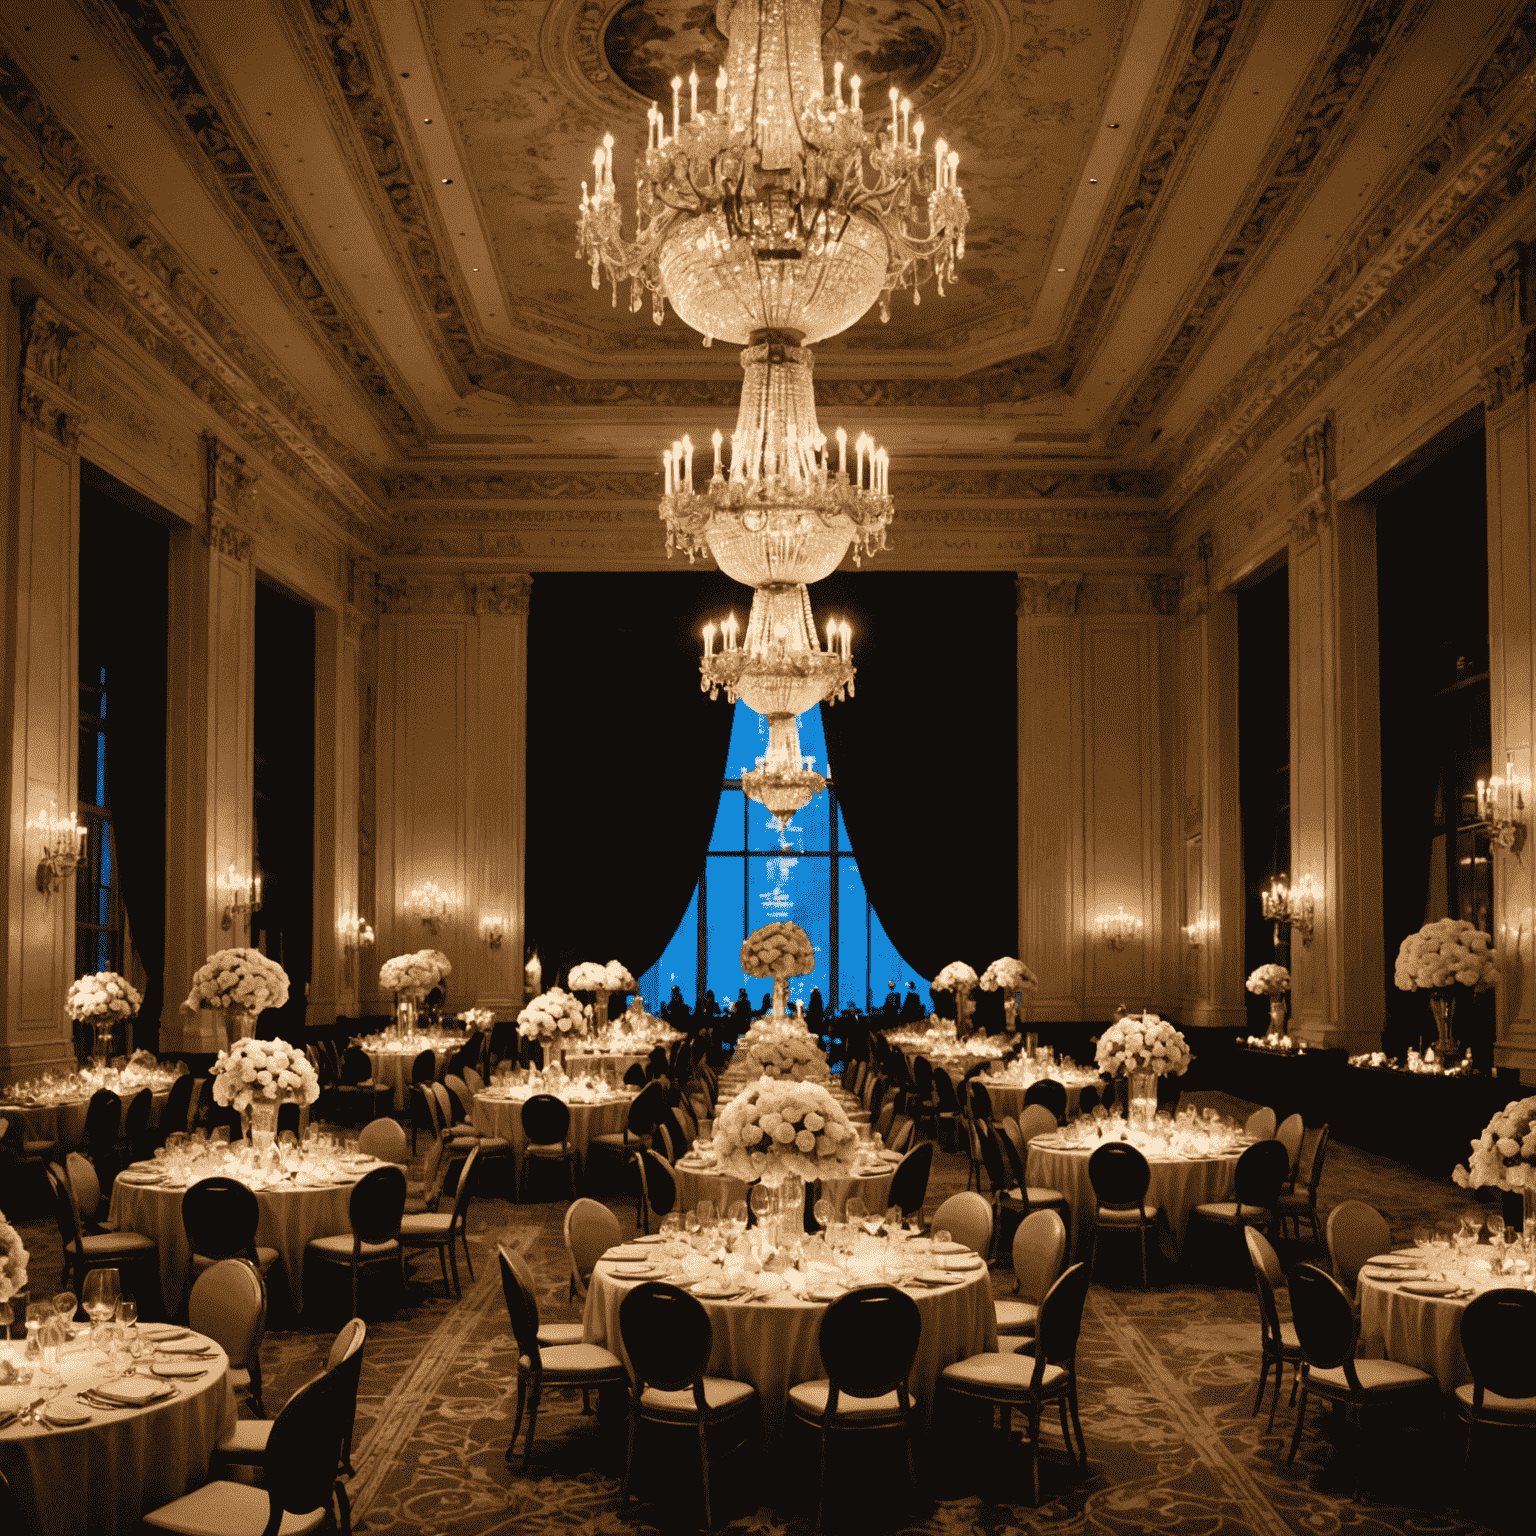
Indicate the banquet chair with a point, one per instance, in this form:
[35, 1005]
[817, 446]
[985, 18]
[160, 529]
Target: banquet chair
[354, 1084]
[84, 1252]
[1015, 1147]
[634, 1076]
[868, 1340]
[1049, 1094]
[645, 1110]
[591, 1229]
[543, 1365]
[473, 1080]
[546, 1123]
[1356, 1232]
[867, 1089]
[968, 1219]
[460, 1090]
[423, 1072]
[1277, 1340]
[900, 1137]
[924, 1103]
[219, 1216]
[1120, 1176]
[981, 1101]
[1256, 1185]
[86, 1189]
[374, 1208]
[1260, 1125]
[1030, 1381]
[1088, 1100]
[1289, 1134]
[909, 1184]
[1039, 1246]
[1038, 1120]
[459, 1136]
[948, 1114]
[886, 1118]
[1298, 1205]
[1006, 1193]
[423, 1194]
[974, 1131]
[229, 1304]
[1328, 1330]
[103, 1125]
[24, 1151]
[301, 1490]
[384, 1139]
[137, 1139]
[658, 1188]
[1498, 1338]
[290, 1118]
[668, 1338]
[441, 1229]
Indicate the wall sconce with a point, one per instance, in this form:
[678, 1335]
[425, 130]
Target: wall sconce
[356, 933]
[1286, 908]
[533, 976]
[493, 929]
[63, 846]
[1500, 804]
[430, 904]
[242, 898]
[1118, 928]
[1198, 931]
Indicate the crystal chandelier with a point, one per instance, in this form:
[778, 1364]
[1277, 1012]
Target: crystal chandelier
[773, 222]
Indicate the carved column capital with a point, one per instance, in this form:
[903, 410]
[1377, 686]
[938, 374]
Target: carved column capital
[1508, 360]
[1053, 592]
[1310, 458]
[228, 538]
[1163, 593]
[52, 351]
[500, 594]
[229, 494]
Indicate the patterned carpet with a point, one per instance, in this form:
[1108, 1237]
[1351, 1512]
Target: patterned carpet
[1167, 1380]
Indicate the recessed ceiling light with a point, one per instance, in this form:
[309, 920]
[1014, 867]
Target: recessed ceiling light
[1114, 125]
[426, 119]
[1093, 181]
[474, 269]
[1061, 269]
[447, 181]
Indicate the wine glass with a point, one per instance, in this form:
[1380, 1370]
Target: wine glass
[65, 1306]
[854, 1211]
[824, 1212]
[706, 1212]
[127, 1311]
[761, 1202]
[738, 1216]
[99, 1296]
[1495, 1224]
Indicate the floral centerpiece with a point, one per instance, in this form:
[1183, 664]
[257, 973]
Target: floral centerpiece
[256, 1076]
[1273, 982]
[589, 976]
[410, 978]
[1438, 959]
[100, 1000]
[774, 1129]
[554, 1016]
[482, 1019]
[1014, 977]
[792, 1056]
[13, 1261]
[1140, 1048]
[242, 982]
[778, 951]
[1504, 1156]
[959, 978]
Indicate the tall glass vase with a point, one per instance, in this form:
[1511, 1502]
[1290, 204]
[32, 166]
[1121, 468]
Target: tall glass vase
[1443, 1005]
[101, 1045]
[260, 1124]
[240, 1023]
[1142, 1097]
[1277, 1013]
[405, 1017]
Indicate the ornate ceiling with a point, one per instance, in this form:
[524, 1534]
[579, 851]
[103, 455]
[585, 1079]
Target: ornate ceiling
[349, 225]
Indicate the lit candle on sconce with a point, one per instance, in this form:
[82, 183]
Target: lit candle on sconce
[1118, 928]
[493, 929]
[709, 640]
[533, 976]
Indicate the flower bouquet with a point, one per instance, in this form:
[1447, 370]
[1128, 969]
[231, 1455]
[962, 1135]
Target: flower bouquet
[553, 1015]
[1014, 977]
[589, 976]
[773, 1129]
[959, 978]
[256, 1076]
[1143, 1043]
[413, 976]
[1504, 1156]
[242, 980]
[778, 951]
[13, 1261]
[101, 999]
[1439, 958]
[792, 1057]
[1273, 982]
[483, 1019]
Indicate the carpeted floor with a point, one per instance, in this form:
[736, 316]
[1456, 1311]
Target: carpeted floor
[1167, 1380]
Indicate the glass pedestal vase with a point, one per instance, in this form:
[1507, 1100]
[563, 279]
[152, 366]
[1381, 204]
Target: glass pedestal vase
[1141, 1095]
[101, 1041]
[240, 1023]
[405, 1018]
[260, 1124]
[786, 1217]
[1443, 1006]
[1277, 1014]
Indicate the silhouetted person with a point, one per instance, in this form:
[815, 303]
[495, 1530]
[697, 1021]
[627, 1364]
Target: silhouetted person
[709, 1009]
[891, 1007]
[741, 1013]
[815, 1011]
[912, 1006]
[676, 1011]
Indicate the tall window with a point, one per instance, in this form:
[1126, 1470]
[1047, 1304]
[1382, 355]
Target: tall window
[753, 874]
[98, 900]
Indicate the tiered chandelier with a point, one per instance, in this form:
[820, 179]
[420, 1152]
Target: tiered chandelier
[773, 222]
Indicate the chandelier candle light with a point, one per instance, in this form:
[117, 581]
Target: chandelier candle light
[1287, 908]
[63, 846]
[1501, 808]
[1118, 928]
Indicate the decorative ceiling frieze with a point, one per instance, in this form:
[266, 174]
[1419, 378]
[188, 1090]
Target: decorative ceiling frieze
[224, 153]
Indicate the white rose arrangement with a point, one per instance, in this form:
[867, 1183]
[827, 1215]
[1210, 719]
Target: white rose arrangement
[1143, 1043]
[238, 978]
[1443, 955]
[589, 976]
[1009, 974]
[798, 1127]
[793, 1058]
[104, 996]
[416, 974]
[13, 1261]
[554, 1015]
[1504, 1156]
[482, 1019]
[1269, 980]
[264, 1069]
[956, 976]
[778, 951]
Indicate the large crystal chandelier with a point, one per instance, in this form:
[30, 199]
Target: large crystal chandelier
[774, 221]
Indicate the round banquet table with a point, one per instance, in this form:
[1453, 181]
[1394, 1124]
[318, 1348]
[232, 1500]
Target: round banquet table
[595, 1063]
[290, 1216]
[65, 1123]
[98, 1478]
[773, 1344]
[1178, 1185]
[695, 1182]
[1008, 1098]
[504, 1118]
[392, 1069]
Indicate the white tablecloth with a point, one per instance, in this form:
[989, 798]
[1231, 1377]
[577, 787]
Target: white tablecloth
[773, 1344]
[1008, 1099]
[504, 1118]
[65, 1123]
[695, 1184]
[392, 1069]
[596, 1063]
[290, 1217]
[99, 1478]
[1178, 1186]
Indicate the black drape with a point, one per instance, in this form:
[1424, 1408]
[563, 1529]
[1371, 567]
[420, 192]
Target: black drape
[925, 759]
[124, 605]
[625, 760]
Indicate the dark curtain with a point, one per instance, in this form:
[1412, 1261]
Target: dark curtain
[925, 759]
[124, 605]
[625, 760]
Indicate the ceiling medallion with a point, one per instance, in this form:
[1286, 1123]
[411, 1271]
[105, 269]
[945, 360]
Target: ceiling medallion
[774, 221]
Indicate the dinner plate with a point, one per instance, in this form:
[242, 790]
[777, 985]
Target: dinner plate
[64, 1417]
[179, 1368]
[891, 1157]
[625, 1251]
[950, 1248]
[187, 1344]
[825, 1292]
[974, 1261]
[935, 1277]
[653, 1237]
[1430, 1288]
[714, 1290]
[632, 1271]
[161, 1332]
[1395, 1260]
[1391, 1275]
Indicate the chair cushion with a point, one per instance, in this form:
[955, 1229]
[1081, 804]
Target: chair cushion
[37, 1148]
[1016, 1316]
[1227, 1211]
[1040, 1195]
[239, 1378]
[999, 1375]
[1288, 1339]
[340, 1247]
[1297, 1202]
[1016, 1343]
[1117, 1217]
[415, 1205]
[1523, 1408]
[618, 1139]
[245, 1438]
[490, 1146]
[576, 1360]
[426, 1224]
[228, 1509]
[719, 1392]
[559, 1333]
[809, 1399]
[549, 1149]
[265, 1259]
[1375, 1376]
[116, 1242]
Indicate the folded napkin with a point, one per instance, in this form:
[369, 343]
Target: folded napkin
[157, 1333]
[180, 1368]
[132, 1391]
[189, 1344]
